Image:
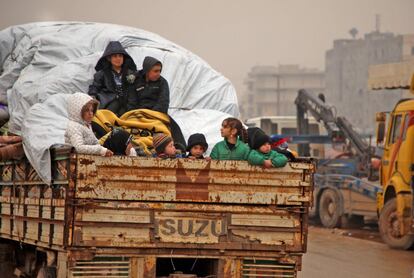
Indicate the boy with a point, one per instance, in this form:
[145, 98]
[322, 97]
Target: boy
[261, 153]
[115, 74]
[150, 90]
[197, 146]
[164, 146]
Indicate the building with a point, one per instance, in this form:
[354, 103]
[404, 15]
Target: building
[347, 65]
[271, 91]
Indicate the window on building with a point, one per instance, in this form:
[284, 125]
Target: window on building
[289, 131]
[412, 51]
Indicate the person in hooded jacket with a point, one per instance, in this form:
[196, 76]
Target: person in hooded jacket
[150, 90]
[114, 75]
[120, 143]
[81, 110]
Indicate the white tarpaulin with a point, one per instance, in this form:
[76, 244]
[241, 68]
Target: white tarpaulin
[41, 62]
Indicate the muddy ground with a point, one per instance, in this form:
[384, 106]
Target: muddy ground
[353, 253]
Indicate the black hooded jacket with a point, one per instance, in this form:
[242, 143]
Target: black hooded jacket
[153, 95]
[103, 87]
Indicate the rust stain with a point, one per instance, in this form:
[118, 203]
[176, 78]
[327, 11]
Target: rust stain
[86, 188]
[84, 161]
[192, 187]
[77, 236]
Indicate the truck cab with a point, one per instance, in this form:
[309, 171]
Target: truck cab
[395, 202]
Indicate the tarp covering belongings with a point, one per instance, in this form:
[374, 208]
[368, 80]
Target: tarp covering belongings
[41, 63]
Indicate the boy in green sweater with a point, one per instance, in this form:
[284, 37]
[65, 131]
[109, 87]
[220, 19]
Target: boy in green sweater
[261, 153]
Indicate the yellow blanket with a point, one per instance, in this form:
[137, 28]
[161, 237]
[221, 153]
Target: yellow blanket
[141, 123]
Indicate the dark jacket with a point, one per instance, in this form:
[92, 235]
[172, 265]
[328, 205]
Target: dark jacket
[154, 95]
[103, 87]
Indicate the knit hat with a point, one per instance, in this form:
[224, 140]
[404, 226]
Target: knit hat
[118, 141]
[257, 137]
[160, 141]
[279, 141]
[197, 139]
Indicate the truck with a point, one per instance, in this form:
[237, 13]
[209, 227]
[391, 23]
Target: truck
[345, 188]
[395, 135]
[146, 217]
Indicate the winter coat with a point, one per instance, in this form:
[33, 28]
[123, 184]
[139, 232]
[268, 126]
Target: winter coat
[153, 95]
[222, 152]
[258, 158]
[79, 133]
[104, 88]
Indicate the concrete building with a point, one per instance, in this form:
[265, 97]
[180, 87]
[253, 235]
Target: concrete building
[347, 65]
[271, 91]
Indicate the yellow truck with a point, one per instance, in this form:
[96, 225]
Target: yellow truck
[396, 203]
[146, 217]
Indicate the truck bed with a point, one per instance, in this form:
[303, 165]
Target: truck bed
[130, 206]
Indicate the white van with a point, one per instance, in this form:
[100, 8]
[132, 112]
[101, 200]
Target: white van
[287, 125]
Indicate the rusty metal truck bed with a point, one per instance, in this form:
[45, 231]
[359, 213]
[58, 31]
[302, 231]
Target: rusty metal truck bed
[142, 212]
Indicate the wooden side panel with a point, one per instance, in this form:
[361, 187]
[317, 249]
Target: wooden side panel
[183, 180]
[357, 203]
[178, 226]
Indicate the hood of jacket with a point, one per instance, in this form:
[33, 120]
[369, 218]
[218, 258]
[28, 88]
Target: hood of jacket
[148, 63]
[115, 47]
[76, 102]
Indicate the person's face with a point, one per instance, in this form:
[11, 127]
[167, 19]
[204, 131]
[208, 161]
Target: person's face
[88, 114]
[154, 73]
[226, 131]
[117, 60]
[265, 148]
[197, 151]
[170, 149]
[128, 149]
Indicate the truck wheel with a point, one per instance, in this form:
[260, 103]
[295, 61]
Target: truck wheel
[329, 209]
[389, 227]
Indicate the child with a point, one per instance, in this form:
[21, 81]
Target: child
[164, 146]
[120, 143]
[150, 89]
[262, 153]
[115, 74]
[196, 146]
[81, 110]
[280, 145]
[233, 146]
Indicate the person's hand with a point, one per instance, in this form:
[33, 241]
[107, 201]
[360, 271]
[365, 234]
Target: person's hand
[109, 153]
[267, 164]
[208, 158]
[191, 157]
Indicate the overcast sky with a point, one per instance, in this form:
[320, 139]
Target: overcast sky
[231, 35]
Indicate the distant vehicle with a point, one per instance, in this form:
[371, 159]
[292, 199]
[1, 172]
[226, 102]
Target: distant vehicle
[395, 135]
[287, 125]
[344, 193]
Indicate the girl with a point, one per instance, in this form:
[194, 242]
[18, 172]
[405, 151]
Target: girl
[233, 146]
[81, 110]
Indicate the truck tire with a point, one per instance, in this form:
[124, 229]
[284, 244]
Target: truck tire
[388, 226]
[329, 209]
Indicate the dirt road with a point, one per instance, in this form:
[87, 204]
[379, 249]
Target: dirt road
[332, 254]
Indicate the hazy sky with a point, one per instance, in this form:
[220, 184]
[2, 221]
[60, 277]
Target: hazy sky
[231, 35]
